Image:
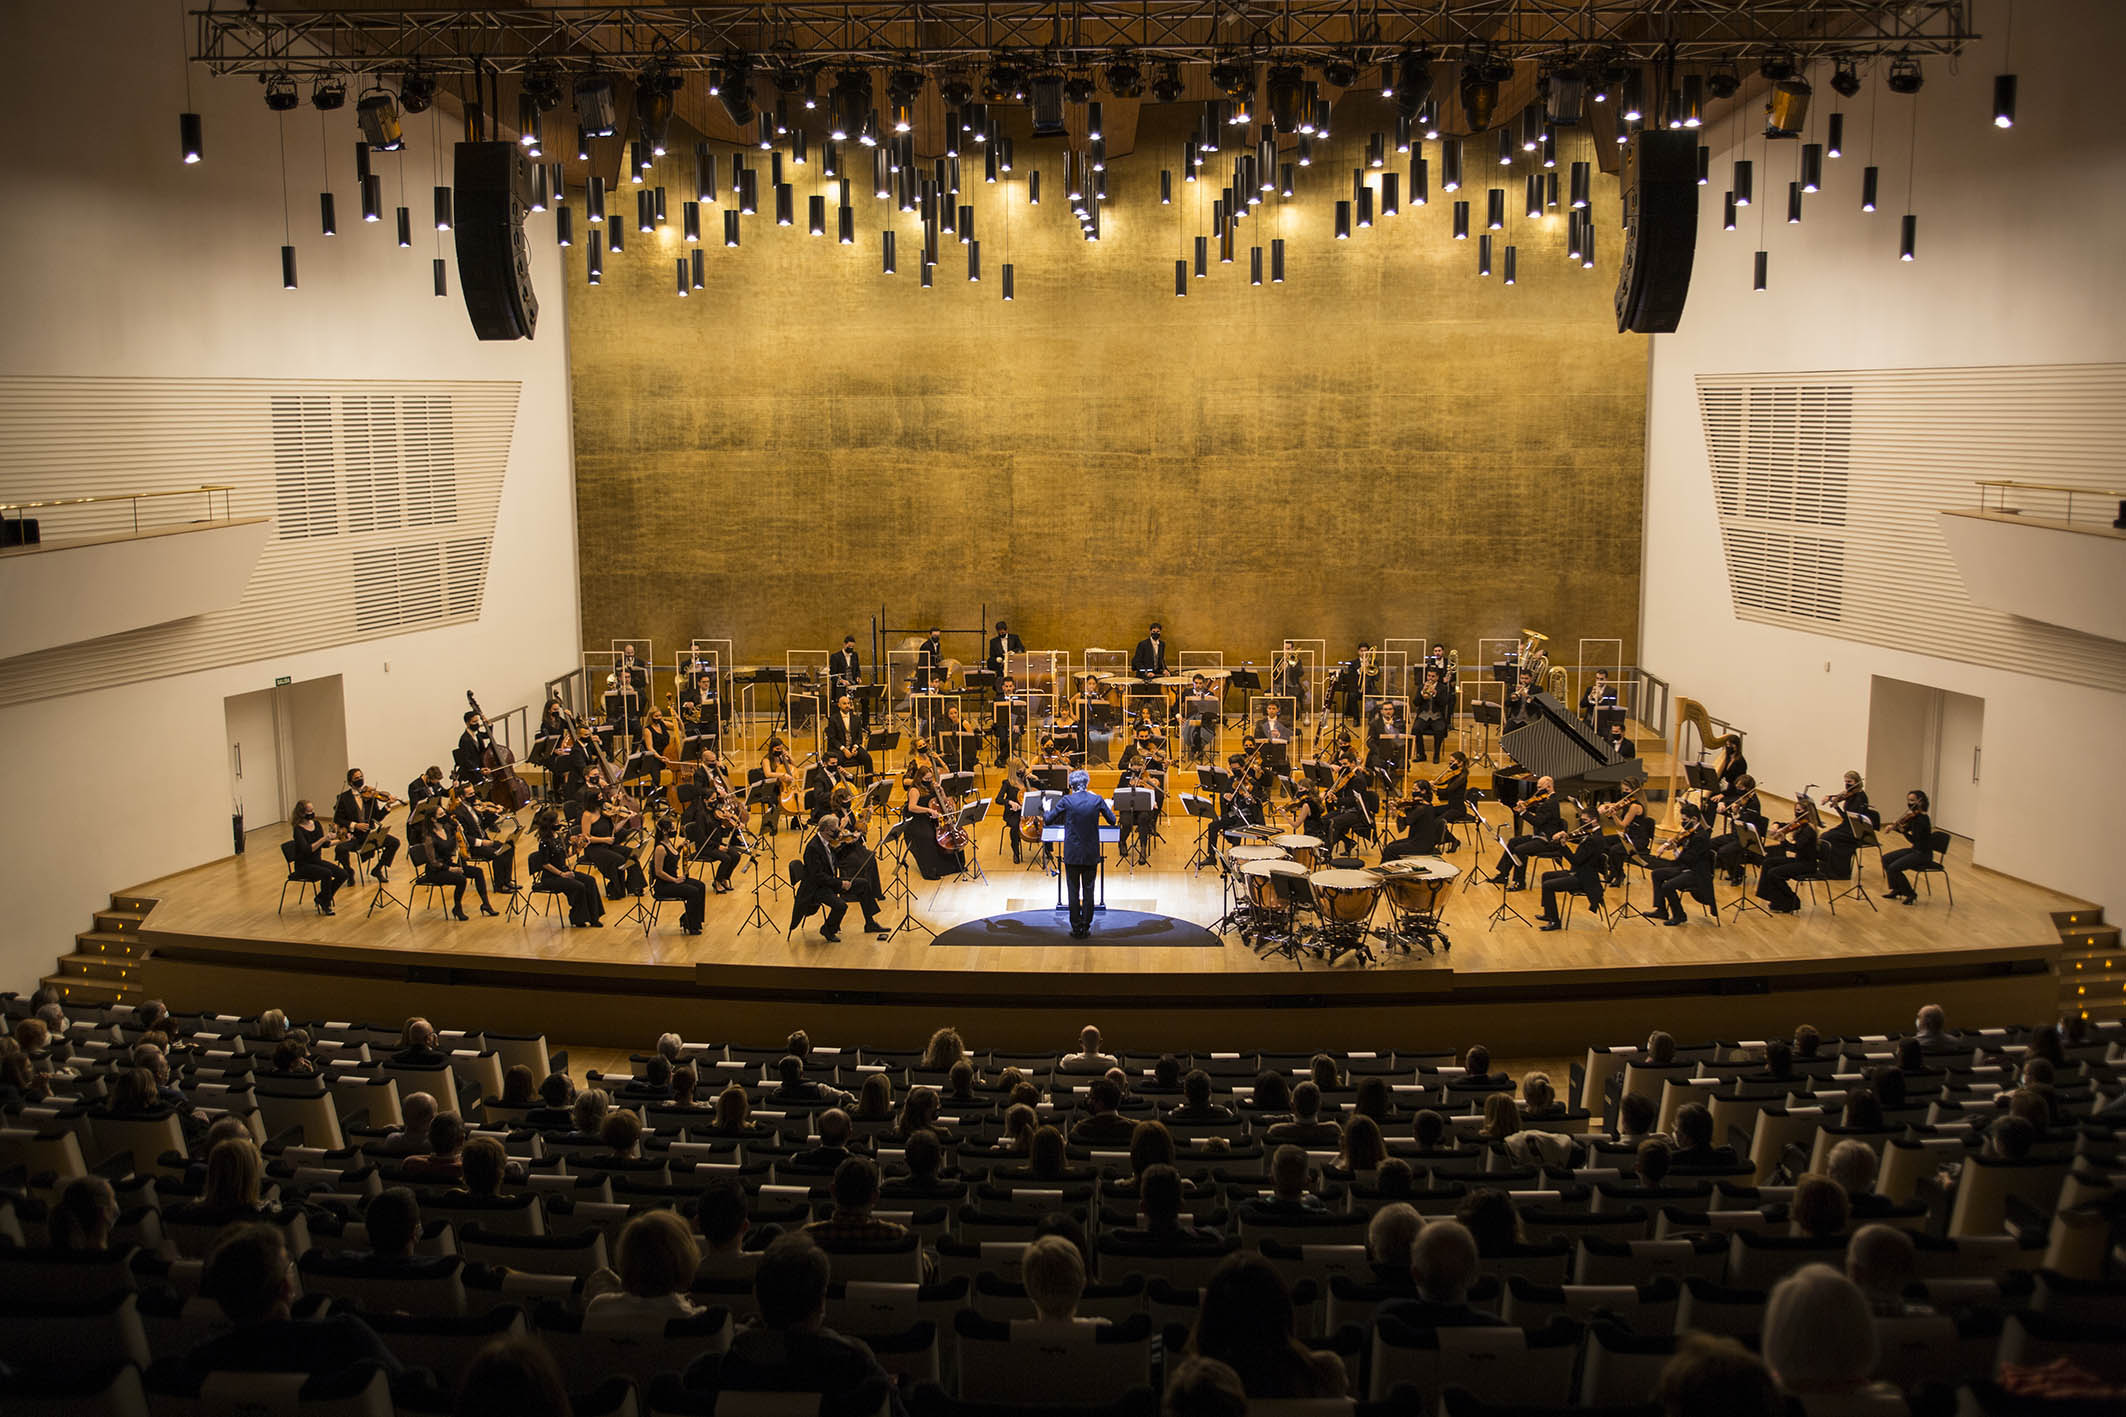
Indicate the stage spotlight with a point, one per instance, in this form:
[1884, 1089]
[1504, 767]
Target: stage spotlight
[902, 87]
[1413, 81]
[1168, 88]
[417, 90]
[1905, 75]
[1006, 81]
[1777, 66]
[1481, 76]
[280, 93]
[1046, 103]
[1287, 90]
[1079, 88]
[594, 106]
[1340, 70]
[379, 113]
[1235, 79]
[733, 87]
[850, 101]
[1724, 82]
[653, 105]
[1124, 78]
[329, 95]
[1845, 79]
[1786, 108]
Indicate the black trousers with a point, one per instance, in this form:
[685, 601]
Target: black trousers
[1775, 882]
[1345, 826]
[693, 892]
[1141, 825]
[501, 861]
[1671, 884]
[328, 878]
[1556, 883]
[1526, 849]
[581, 893]
[387, 852]
[1078, 886]
[1011, 831]
[622, 875]
[457, 880]
[1897, 863]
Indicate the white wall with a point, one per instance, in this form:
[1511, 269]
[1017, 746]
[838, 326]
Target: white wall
[122, 261]
[2018, 243]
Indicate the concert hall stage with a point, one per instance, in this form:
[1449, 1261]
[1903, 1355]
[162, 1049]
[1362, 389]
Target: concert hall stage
[214, 940]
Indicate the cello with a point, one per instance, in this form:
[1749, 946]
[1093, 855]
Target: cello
[499, 764]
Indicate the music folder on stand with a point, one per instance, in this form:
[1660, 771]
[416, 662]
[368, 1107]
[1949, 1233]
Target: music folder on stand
[1505, 906]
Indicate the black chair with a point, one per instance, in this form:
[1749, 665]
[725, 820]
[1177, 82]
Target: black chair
[1938, 848]
[299, 882]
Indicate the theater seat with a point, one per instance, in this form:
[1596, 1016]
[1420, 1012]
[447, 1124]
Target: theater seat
[360, 1391]
[107, 1391]
[1001, 1361]
[1501, 1364]
[92, 1333]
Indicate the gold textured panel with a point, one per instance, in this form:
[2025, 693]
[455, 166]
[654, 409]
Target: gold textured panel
[1385, 445]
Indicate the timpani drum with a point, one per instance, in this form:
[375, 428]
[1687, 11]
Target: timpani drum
[1419, 884]
[1304, 849]
[1261, 879]
[1345, 897]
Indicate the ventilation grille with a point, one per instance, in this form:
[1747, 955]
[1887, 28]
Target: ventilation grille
[1827, 487]
[383, 496]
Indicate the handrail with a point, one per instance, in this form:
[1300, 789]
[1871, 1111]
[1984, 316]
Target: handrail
[2001, 486]
[116, 497]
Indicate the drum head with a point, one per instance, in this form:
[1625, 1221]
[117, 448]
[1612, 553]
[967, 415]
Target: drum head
[1347, 896]
[1294, 841]
[1257, 853]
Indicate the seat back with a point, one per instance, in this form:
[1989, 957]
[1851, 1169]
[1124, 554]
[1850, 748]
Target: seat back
[1003, 1363]
[93, 1334]
[1987, 1182]
[442, 1293]
[312, 1110]
[284, 1395]
[638, 1353]
[1622, 1367]
[148, 1138]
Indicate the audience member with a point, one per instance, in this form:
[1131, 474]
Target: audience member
[788, 1347]
[1245, 1321]
[1307, 1127]
[1817, 1339]
[1103, 1124]
[1882, 1261]
[1053, 1272]
[249, 1274]
[1090, 1057]
[1204, 1387]
[1694, 1142]
[1291, 1197]
[874, 1099]
[1717, 1377]
[1389, 1235]
[1491, 1220]
[1819, 1208]
[513, 1377]
[850, 1225]
[823, 1160]
[944, 1049]
[656, 1260]
[444, 1160]
[1444, 1264]
[1196, 1104]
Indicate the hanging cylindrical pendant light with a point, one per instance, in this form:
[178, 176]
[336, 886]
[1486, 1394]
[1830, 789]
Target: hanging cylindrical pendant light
[1225, 244]
[704, 174]
[1343, 220]
[1166, 187]
[1811, 167]
[1495, 209]
[594, 258]
[564, 226]
[1365, 208]
[1483, 254]
[191, 138]
[1759, 277]
[1277, 260]
[1793, 203]
[1727, 216]
[785, 204]
[965, 229]
[1461, 221]
[645, 212]
[1420, 182]
[442, 277]
[538, 191]
[730, 227]
[1587, 243]
[1745, 181]
[1376, 149]
[1581, 182]
[1534, 203]
[699, 262]
[679, 274]
[442, 204]
[2003, 103]
[1575, 221]
[974, 261]
[749, 191]
[888, 259]
[1033, 188]
[1550, 148]
[690, 222]
[594, 202]
[816, 214]
[1203, 257]
[1010, 283]
[1868, 180]
[616, 236]
[1390, 193]
[1181, 277]
[1908, 237]
[1254, 265]
[928, 267]
[845, 224]
[1403, 141]
[1550, 191]
[1705, 166]
[1834, 136]
[1505, 148]
[638, 162]
[327, 214]
[372, 198]
[1511, 272]
[405, 226]
[287, 268]
[1285, 173]
[1450, 164]
[658, 212]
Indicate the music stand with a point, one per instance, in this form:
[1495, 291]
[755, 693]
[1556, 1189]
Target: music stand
[1244, 679]
[1205, 811]
[1215, 780]
[971, 816]
[878, 794]
[1055, 780]
[1505, 884]
[897, 838]
[1747, 837]
[1700, 778]
[1132, 800]
[1488, 716]
[1277, 757]
[760, 792]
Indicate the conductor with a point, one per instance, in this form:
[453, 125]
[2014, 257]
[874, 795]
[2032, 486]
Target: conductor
[1081, 815]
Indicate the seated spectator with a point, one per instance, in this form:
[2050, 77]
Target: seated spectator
[1270, 1097]
[656, 1260]
[82, 1219]
[1064, 1226]
[1090, 1057]
[1817, 1339]
[1362, 1151]
[229, 1192]
[1046, 1160]
[1020, 1123]
[1053, 1271]
[585, 1115]
[961, 1086]
[799, 1044]
[132, 1095]
[1883, 1263]
[851, 1225]
[1204, 1387]
[483, 1166]
[1307, 1127]
[1246, 1322]
[944, 1049]
[1290, 1196]
[655, 1084]
[788, 1347]
[1166, 1077]
[686, 1080]
[1778, 1065]
[557, 1094]
[1373, 1099]
[513, 1377]
[1660, 1049]
[444, 1160]
[724, 1222]
[1539, 1100]
[1394, 1181]
[1717, 1377]
[291, 1059]
[157, 1063]
[250, 1276]
[1324, 1073]
[1489, 1216]
[519, 1087]
[1161, 1228]
[416, 1111]
[1502, 1117]
[1694, 1142]
[920, 1112]
[1635, 1118]
[1390, 1234]
[1862, 1112]
[1930, 1028]
[1853, 1165]
[1444, 1265]
[924, 1156]
[1807, 1044]
[1150, 1144]
[1476, 1072]
[1104, 1124]
[1819, 1208]
[833, 1149]
[734, 1117]
[1196, 1104]
[392, 1220]
[1888, 1085]
[1649, 1183]
[420, 1046]
[1433, 1136]
[2010, 1139]
[874, 1099]
[796, 1089]
[621, 1134]
[670, 1047]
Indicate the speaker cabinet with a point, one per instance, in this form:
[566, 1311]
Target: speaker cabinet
[493, 191]
[1660, 229]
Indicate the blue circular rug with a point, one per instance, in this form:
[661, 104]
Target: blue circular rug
[1052, 927]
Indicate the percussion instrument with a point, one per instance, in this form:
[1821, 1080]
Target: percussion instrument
[1345, 897]
[1417, 888]
[1172, 681]
[1260, 878]
[1245, 854]
[1306, 850]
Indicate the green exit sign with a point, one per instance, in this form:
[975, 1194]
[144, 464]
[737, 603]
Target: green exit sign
[284, 679]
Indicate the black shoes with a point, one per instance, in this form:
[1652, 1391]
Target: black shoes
[831, 937]
[458, 913]
[1553, 925]
[487, 909]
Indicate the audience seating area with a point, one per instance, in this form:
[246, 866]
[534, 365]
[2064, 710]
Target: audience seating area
[1657, 1190]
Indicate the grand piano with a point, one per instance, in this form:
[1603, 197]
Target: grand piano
[1557, 743]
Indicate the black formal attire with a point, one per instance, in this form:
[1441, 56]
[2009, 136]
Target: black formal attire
[469, 759]
[1919, 832]
[669, 881]
[929, 663]
[1148, 660]
[1728, 854]
[578, 889]
[819, 888]
[1080, 815]
[1422, 832]
[1010, 797]
[1292, 681]
[845, 667]
[1583, 877]
[1731, 769]
[623, 875]
[1350, 817]
[1242, 809]
[1001, 646]
[421, 789]
[1593, 702]
[435, 859]
[1841, 839]
[306, 862]
[1775, 883]
[847, 737]
[932, 861]
[1543, 821]
[1201, 731]
[1520, 706]
[1435, 713]
[1143, 824]
[713, 839]
[1691, 873]
[500, 856]
[1385, 739]
[1273, 730]
[363, 817]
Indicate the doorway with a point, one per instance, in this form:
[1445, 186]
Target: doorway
[1924, 737]
[286, 744]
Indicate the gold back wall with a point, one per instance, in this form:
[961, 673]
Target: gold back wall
[1385, 445]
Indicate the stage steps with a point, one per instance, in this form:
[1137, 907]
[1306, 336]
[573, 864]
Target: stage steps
[2092, 966]
[105, 964]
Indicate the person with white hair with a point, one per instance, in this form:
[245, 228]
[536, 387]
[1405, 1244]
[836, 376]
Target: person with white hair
[1818, 1340]
[1053, 1272]
[1853, 1164]
[1081, 814]
[1443, 1266]
[416, 1111]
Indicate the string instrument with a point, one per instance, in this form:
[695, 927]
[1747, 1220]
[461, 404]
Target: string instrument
[1534, 799]
[380, 796]
[951, 835]
[499, 765]
[1906, 820]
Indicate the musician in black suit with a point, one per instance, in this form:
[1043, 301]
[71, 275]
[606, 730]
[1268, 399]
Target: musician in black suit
[1620, 743]
[428, 784]
[1272, 727]
[305, 854]
[1422, 828]
[698, 714]
[1793, 856]
[1002, 644]
[845, 667]
[1599, 696]
[1385, 737]
[473, 826]
[1289, 674]
[1148, 661]
[930, 660]
[1435, 710]
[823, 886]
[1582, 876]
[1691, 873]
[629, 691]
[361, 814]
[1543, 837]
[1520, 704]
[468, 760]
[848, 734]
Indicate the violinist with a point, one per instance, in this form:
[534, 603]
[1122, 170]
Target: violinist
[1917, 828]
[1011, 796]
[821, 794]
[924, 815]
[568, 765]
[1841, 840]
[1136, 773]
[1583, 874]
[849, 734]
[1635, 826]
[1422, 828]
[552, 870]
[1739, 804]
[428, 784]
[1308, 811]
[715, 820]
[1435, 710]
[475, 823]
[599, 832]
[669, 879]
[1691, 855]
[1350, 813]
[1544, 836]
[438, 861]
[1051, 754]
[305, 853]
[1452, 789]
[1243, 805]
[359, 812]
[1790, 851]
[1385, 737]
[828, 884]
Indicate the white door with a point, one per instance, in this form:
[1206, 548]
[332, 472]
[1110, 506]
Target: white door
[254, 759]
[1957, 762]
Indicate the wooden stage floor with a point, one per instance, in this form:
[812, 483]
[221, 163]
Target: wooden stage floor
[218, 922]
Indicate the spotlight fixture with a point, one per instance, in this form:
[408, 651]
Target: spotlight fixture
[405, 216]
[698, 260]
[594, 106]
[1481, 76]
[281, 96]
[287, 268]
[1235, 78]
[1793, 204]
[1727, 213]
[1630, 107]
[1869, 179]
[1450, 164]
[1744, 180]
[191, 138]
[1286, 93]
[902, 88]
[1845, 79]
[379, 114]
[1905, 75]
[1079, 88]
[653, 105]
[1124, 78]
[850, 102]
[1343, 221]
[2003, 103]
[1006, 80]
[1724, 82]
[1786, 108]
[329, 94]
[1811, 167]
[1168, 88]
[417, 90]
[732, 83]
[1340, 70]
[1045, 99]
[1512, 265]
[1581, 175]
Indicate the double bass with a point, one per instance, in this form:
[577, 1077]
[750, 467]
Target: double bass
[499, 765]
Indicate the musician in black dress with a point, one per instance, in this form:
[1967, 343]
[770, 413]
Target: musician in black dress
[1143, 766]
[1732, 766]
[1420, 821]
[1243, 806]
[476, 822]
[1543, 835]
[1917, 828]
[1452, 789]
[600, 831]
[1739, 804]
[1582, 876]
[669, 879]
[1840, 842]
[437, 863]
[1792, 855]
[305, 854]
[552, 870]
[1691, 871]
[923, 817]
[1435, 710]
[1011, 796]
[360, 812]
